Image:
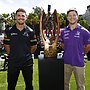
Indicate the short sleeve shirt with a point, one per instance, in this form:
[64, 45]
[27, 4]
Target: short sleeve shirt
[74, 42]
[20, 42]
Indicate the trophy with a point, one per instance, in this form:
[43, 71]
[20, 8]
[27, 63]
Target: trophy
[49, 31]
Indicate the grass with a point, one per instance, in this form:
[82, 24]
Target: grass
[87, 78]
[21, 86]
[20, 83]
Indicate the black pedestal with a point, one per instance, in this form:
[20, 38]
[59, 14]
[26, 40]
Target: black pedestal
[51, 74]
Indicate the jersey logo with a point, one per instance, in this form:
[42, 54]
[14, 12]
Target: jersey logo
[14, 34]
[66, 31]
[77, 34]
[25, 34]
[66, 36]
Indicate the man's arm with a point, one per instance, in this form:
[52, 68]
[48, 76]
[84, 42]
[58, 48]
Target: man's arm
[87, 48]
[33, 48]
[33, 44]
[7, 48]
[62, 45]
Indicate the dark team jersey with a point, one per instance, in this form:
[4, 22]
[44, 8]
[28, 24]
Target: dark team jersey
[20, 42]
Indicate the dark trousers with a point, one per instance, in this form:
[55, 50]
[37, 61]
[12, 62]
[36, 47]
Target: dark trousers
[13, 74]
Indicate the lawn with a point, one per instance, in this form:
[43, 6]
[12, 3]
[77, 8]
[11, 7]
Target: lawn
[20, 83]
[87, 78]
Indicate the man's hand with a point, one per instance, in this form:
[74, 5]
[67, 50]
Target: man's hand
[87, 48]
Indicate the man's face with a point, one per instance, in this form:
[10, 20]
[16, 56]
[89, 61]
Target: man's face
[21, 18]
[72, 17]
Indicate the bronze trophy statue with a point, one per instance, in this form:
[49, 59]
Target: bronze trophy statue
[49, 31]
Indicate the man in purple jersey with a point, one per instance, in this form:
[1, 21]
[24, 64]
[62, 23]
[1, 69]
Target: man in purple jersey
[75, 41]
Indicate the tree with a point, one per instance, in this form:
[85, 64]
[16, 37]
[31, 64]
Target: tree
[62, 20]
[37, 11]
[8, 19]
[32, 19]
[83, 22]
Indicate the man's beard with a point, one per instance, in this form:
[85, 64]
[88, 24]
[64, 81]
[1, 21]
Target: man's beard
[20, 23]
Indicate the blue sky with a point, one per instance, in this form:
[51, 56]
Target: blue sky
[9, 6]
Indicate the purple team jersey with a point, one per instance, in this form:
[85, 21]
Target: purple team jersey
[74, 42]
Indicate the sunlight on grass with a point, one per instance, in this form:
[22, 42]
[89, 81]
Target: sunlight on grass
[21, 86]
[35, 75]
[87, 78]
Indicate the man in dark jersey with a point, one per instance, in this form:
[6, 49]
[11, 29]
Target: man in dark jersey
[20, 43]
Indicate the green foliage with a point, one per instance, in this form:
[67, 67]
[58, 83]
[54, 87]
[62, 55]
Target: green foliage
[8, 19]
[62, 19]
[5, 15]
[34, 17]
[37, 11]
[83, 22]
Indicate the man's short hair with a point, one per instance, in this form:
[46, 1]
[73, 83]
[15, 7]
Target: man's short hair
[72, 9]
[20, 10]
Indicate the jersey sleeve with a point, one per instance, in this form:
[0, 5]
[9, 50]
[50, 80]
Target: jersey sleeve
[86, 37]
[33, 39]
[6, 37]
